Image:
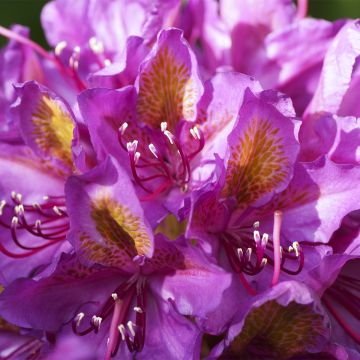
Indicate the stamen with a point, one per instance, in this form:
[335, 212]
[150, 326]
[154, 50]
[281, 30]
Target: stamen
[132, 146]
[163, 126]
[78, 318]
[152, 148]
[57, 211]
[123, 128]
[257, 238]
[276, 241]
[240, 254]
[2, 205]
[195, 133]
[96, 320]
[296, 248]
[59, 48]
[130, 325]
[248, 254]
[138, 309]
[96, 45]
[136, 157]
[122, 330]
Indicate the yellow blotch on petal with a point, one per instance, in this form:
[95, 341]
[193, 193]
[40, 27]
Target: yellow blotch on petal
[257, 164]
[167, 92]
[53, 130]
[278, 331]
[123, 234]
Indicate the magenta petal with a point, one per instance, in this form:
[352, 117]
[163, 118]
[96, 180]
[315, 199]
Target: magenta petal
[107, 218]
[337, 71]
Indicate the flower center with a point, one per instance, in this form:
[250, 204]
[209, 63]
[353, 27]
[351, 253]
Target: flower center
[163, 165]
[125, 325]
[47, 220]
[248, 252]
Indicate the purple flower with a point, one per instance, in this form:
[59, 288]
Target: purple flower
[114, 282]
[34, 220]
[264, 190]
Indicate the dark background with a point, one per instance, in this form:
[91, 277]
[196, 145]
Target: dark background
[27, 12]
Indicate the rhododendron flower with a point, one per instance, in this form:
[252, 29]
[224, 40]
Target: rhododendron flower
[179, 180]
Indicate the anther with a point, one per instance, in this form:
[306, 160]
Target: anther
[240, 253]
[19, 209]
[195, 133]
[132, 146]
[257, 237]
[263, 262]
[2, 205]
[96, 320]
[114, 296]
[13, 195]
[57, 210]
[36, 206]
[163, 126]
[37, 223]
[123, 127]
[60, 47]
[96, 45]
[248, 253]
[18, 197]
[170, 137]
[78, 318]
[121, 329]
[296, 247]
[14, 221]
[256, 224]
[46, 198]
[138, 309]
[152, 148]
[131, 325]
[136, 157]
[265, 239]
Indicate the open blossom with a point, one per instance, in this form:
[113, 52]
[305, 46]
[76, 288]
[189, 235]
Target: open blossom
[161, 199]
[120, 282]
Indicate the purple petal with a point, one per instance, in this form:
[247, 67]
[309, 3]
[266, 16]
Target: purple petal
[265, 318]
[47, 125]
[337, 71]
[263, 149]
[169, 85]
[107, 221]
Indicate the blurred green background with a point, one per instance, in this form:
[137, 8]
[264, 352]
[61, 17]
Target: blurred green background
[27, 12]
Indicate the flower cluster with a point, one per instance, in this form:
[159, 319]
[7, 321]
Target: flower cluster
[180, 180]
